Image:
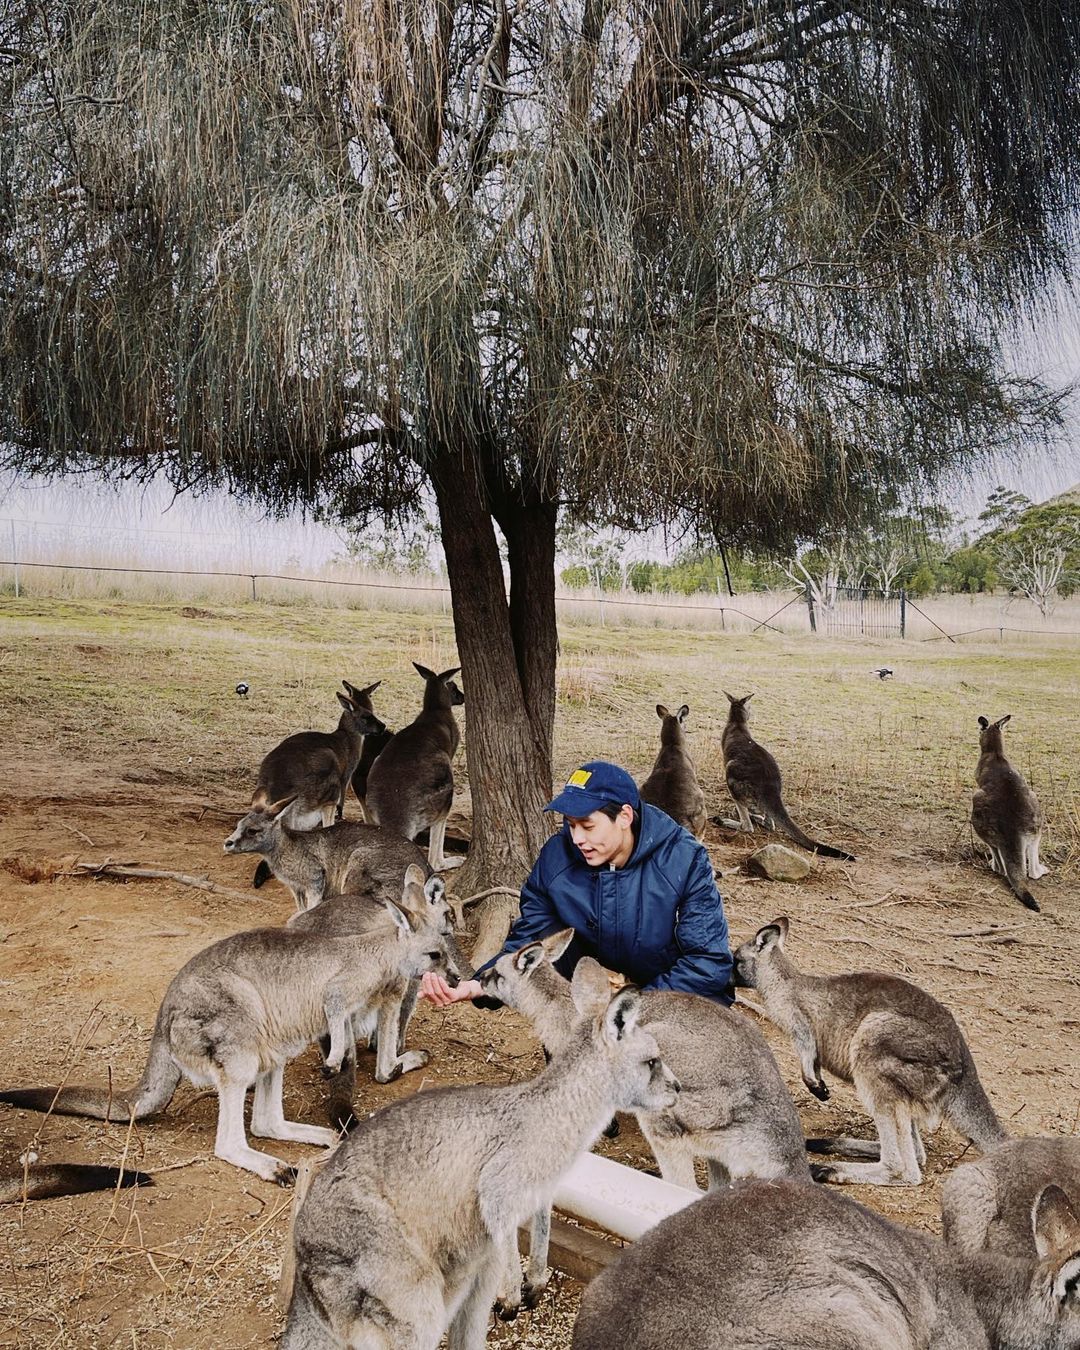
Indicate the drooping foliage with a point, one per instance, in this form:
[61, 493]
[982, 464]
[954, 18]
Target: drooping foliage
[743, 262]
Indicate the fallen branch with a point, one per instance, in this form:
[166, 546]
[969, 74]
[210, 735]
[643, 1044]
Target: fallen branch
[111, 869]
[996, 930]
[459, 906]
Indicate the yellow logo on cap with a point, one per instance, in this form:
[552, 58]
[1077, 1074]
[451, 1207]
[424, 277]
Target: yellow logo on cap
[578, 778]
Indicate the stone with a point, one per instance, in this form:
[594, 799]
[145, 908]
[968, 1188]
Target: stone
[778, 864]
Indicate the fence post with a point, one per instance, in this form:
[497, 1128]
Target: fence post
[810, 608]
[15, 557]
[600, 594]
[903, 612]
[253, 595]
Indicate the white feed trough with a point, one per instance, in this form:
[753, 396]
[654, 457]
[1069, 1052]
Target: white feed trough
[618, 1198]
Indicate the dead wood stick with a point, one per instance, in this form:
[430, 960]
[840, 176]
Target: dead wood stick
[305, 1174]
[458, 906]
[110, 869]
[989, 930]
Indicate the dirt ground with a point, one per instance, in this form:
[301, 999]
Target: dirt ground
[120, 738]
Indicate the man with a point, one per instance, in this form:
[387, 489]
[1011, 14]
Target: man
[637, 889]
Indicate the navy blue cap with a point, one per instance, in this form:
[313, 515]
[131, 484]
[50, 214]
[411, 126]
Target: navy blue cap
[594, 785]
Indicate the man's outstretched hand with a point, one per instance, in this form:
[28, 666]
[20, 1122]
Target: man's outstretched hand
[436, 990]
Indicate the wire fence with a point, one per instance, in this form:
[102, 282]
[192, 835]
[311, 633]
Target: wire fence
[862, 614]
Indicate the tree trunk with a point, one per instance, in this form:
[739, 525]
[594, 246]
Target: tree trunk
[507, 653]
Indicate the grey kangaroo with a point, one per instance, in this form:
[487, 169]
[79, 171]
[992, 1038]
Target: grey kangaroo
[1005, 814]
[754, 781]
[767, 1265]
[374, 744]
[344, 915]
[343, 857]
[411, 785]
[900, 1047]
[673, 785]
[986, 1204]
[403, 1234]
[241, 1009]
[733, 1110]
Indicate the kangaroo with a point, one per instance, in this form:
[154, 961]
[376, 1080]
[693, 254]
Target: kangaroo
[900, 1047]
[374, 744]
[242, 1008]
[673, 784]
[986, 1204]
[411, 784]
[344, 915]
[753, 779]
[42, 1181]
[403, 1233]
[313, 864]
[1005, 814]
[774, 1264]
[733, 1110]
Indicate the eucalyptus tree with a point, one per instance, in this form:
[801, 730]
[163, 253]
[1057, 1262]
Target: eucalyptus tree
[737, 265]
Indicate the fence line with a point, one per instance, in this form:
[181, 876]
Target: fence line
[654, 602]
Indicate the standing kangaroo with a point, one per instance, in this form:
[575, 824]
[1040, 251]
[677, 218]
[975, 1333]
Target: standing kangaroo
[733, 1110]
[1005, 814]
[374, 744]
[314, 768]
[411, 785]
[986, 1204]
[343, 857]
[241, 1009]
[673, 785]
[770, 1265]
[900, 1047]
[753, 779]
[403, 1234]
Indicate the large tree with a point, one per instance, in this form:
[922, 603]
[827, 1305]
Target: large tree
[733, 264]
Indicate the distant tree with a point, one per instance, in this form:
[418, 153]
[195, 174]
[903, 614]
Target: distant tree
[403, 548]
[734, 264]
[595, 558]
[1037, 551]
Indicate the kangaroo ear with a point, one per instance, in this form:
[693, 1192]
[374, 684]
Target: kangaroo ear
[346, 702]
[415, 875]
[622, 1013]
[348, 688]
[730, 697]
[527, 958]
[556, 943]
[423, 671]
[684, 712]
[434, 889]
[446, 674]
[368, 690]
[400, 916]
[1054, 1224]
[661, 711]
[1002, 720]
[983, 723]
[746, 698]
[277, 809]
[589, 988]
[772, 933]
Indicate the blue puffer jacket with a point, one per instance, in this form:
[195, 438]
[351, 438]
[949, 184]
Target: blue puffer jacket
[658, 920]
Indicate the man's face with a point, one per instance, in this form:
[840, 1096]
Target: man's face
[601, 839]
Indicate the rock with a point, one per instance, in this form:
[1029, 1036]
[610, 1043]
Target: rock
[778, 864]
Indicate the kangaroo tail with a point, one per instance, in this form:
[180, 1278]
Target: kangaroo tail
[1014, 875]
[788, 826]
[969, 1109]
[43, 1183]
[153, 1091]
[846, 1146]
[339, 1102]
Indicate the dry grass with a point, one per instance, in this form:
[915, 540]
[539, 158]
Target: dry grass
[120, 726]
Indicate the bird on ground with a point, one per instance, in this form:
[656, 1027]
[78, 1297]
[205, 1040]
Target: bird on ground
[243, 688]
[882, 672]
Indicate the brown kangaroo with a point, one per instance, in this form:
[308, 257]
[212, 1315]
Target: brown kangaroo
[411, 785]
[1005, 814]
[753, 779]
[673, 785]
[374, 744]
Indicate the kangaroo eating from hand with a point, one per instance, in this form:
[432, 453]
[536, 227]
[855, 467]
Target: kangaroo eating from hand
[1005, 814]
[673, 784]
[241, 1009]
[753, 779]
[899, 1046]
